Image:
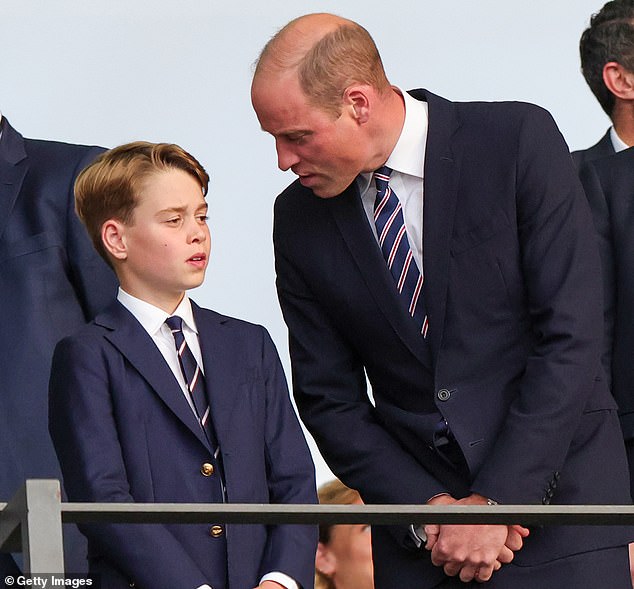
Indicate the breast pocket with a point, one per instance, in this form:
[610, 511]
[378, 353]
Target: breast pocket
[29, 245]
[486, 269]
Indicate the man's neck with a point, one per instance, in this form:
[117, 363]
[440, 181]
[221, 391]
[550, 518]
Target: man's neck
[623, 121]
[389, 117]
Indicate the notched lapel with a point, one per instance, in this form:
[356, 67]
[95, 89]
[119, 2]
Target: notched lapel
[13, 168]
[440, 191]
[220, 379]
[134, 343]
[352, 221]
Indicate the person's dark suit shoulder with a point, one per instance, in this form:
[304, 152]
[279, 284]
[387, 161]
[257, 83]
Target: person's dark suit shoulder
[600, 149]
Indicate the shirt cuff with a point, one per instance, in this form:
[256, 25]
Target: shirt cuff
[204, 587]
[280, 578]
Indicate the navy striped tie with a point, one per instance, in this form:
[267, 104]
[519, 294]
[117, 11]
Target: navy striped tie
[193, 377]
[390, 228]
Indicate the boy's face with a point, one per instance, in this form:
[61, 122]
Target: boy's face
[167, 243]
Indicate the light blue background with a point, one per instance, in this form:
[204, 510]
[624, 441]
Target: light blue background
[111, 71]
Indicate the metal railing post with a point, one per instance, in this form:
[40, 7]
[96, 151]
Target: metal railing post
[34, 515]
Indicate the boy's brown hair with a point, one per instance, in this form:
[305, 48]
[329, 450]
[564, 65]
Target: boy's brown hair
[109, 187]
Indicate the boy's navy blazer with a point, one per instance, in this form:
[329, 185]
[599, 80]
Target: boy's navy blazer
[511, 358]
[124, 432]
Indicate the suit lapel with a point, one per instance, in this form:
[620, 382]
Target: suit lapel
[12, 171]
[219, 377]
[352, 222]
[134, 343]
[440, 189]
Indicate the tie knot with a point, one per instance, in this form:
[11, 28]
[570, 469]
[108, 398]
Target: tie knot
[382, 177]
[175, 323]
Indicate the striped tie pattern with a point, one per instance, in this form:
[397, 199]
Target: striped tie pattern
[390, 228]
[193, 377]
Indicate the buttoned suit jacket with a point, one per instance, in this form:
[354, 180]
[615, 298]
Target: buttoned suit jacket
[609, 186]
[124, 432]
[51, 283]
[600, 149]
[511, 359]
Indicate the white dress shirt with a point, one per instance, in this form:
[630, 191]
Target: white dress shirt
[407, 161]
[153, 321]
[617, 142]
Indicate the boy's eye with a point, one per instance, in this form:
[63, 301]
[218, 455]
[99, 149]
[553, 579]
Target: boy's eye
[203, 218]
[173, 220]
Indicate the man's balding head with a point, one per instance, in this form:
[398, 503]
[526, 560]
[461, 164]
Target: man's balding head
[327, 53]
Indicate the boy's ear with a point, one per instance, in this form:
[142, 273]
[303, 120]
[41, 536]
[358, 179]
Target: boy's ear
[325, 560]
[113, 239]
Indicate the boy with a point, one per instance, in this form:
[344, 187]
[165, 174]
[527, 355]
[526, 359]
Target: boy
[194, 409]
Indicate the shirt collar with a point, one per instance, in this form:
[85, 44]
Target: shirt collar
[617, 142]
[152, 318]
[408, 155]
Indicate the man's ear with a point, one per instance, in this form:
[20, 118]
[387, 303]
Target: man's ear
[357, 97]
[325, 560]
[113, 239]
[619, 80]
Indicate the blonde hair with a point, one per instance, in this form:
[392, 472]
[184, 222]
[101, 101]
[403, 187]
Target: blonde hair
[341, 57]
[109, 187]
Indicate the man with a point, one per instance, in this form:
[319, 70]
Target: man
[609, 185]
[607, 63]
[486, 382]
[51, 282]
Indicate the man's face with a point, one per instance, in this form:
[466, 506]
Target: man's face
[168, 242]
[326, 151]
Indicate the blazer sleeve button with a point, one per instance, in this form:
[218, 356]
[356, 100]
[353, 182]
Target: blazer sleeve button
[444, 395]
[207, 469]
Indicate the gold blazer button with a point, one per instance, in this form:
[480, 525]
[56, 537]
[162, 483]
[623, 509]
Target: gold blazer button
[207, 469]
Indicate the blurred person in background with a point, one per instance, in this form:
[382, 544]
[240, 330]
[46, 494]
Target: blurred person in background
[344, 552]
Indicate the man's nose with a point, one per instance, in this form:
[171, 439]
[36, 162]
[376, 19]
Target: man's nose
[286, 157]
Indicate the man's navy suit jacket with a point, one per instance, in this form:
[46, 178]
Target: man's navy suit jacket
[600, 149]
[609, 185]
[51, 283]
[511, 359]
[124, 432]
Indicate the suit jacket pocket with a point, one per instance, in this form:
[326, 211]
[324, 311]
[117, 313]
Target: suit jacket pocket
[482, 232]
[29, 245]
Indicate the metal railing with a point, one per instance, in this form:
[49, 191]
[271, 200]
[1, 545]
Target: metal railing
[31, 522]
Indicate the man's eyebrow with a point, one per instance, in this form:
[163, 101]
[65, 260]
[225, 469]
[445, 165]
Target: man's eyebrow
[287, 132]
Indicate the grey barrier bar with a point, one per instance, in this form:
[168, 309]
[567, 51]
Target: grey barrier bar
[350, 514]
[33, 520]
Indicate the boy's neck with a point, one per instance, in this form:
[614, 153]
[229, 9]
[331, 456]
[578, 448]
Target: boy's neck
[168, 303]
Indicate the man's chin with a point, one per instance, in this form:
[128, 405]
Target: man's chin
[319, 189]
